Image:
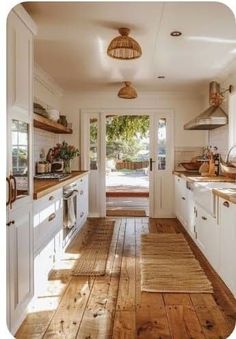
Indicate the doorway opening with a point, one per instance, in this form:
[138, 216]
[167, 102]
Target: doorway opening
[127, 165]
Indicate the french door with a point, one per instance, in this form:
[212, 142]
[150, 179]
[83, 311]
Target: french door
[93, 158]
[161, 164]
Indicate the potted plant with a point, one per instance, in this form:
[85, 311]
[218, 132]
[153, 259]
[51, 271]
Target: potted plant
[65, 152]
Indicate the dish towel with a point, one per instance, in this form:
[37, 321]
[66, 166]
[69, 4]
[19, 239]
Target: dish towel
[69, 213]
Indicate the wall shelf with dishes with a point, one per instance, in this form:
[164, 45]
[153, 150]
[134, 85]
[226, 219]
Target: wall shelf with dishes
[50, 125]
[50, 120]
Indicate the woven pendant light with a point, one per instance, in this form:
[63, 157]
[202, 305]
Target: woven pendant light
[124, 47]
[127, 92]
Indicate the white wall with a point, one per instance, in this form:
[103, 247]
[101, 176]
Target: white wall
[220, 136]
[48, 94]
[185, 107]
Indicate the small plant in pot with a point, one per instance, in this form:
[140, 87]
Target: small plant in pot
[65, 152]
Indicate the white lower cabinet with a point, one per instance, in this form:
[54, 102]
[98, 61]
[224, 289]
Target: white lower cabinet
[227, 221]
[191, 216]
[48, 224]
[181, 200]
[48, 218]
[20, 263]
[214, 235]
[82, 200]
[185, 205]
[208, 236]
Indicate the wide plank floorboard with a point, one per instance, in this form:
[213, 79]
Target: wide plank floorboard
[113, 306]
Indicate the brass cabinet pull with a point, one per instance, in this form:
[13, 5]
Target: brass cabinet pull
[183, 198]
[226, 204]
[52, 216]
[51, 198]
[9, 192]
[11, 222]
[204, 218]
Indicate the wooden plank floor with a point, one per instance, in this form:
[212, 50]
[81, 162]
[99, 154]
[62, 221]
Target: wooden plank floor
[113, 306]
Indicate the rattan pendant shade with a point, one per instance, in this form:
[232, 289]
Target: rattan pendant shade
[127, 92]
[124, 47]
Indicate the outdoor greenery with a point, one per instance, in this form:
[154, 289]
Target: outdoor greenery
[126, 128]
[126, 136]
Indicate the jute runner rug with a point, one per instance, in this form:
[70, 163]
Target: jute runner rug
[94, 255]
[168, 265]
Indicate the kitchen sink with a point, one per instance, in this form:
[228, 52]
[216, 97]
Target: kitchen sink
[202, 193]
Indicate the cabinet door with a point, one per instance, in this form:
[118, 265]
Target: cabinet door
[20, 262]
[48, 219]
[181, 200]
[177, 196]
[227, 220]
[190, 214]
[208, 236]
[82, 200]
[19, 56]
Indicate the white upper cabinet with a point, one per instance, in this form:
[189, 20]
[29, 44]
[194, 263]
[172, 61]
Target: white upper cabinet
[20, 63]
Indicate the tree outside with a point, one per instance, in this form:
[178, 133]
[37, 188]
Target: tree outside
[127, 138]
[127, 151]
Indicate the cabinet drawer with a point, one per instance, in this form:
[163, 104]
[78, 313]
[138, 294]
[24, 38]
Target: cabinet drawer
[82, 184]
[48, 219]
[47, 200]
[45, 230]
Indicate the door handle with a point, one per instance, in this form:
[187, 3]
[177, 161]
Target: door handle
[9, 191]
[151, 162]
[52, 216]
[13, 188]
[226, 203]
[10, 222]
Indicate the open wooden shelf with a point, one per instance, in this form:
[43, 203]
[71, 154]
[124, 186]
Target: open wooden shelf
[49, 125]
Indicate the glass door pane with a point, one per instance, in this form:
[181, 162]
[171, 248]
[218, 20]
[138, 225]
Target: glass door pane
[93, 143]
[161, 142]
[20, 156]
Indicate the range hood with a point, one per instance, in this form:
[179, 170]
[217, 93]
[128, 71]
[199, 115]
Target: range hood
[214, 116]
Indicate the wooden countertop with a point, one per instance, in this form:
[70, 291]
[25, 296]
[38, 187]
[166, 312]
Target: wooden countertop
[43, 187]
[226, 193]
[195, 177]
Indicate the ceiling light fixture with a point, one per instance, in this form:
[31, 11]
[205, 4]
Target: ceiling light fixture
[124, 47]
[176, 33]
[127, 92]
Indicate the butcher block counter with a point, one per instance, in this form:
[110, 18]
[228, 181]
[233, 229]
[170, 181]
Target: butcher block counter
[43, 187]
[195, 177]
[226, 193]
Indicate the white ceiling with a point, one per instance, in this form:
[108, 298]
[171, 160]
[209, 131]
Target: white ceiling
[73, 37]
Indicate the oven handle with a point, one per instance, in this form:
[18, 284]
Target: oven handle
[73, 194]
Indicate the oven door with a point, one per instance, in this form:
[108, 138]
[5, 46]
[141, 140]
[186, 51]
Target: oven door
[70, 209]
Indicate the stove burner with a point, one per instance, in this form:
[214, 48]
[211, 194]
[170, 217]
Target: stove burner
[59, 176]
